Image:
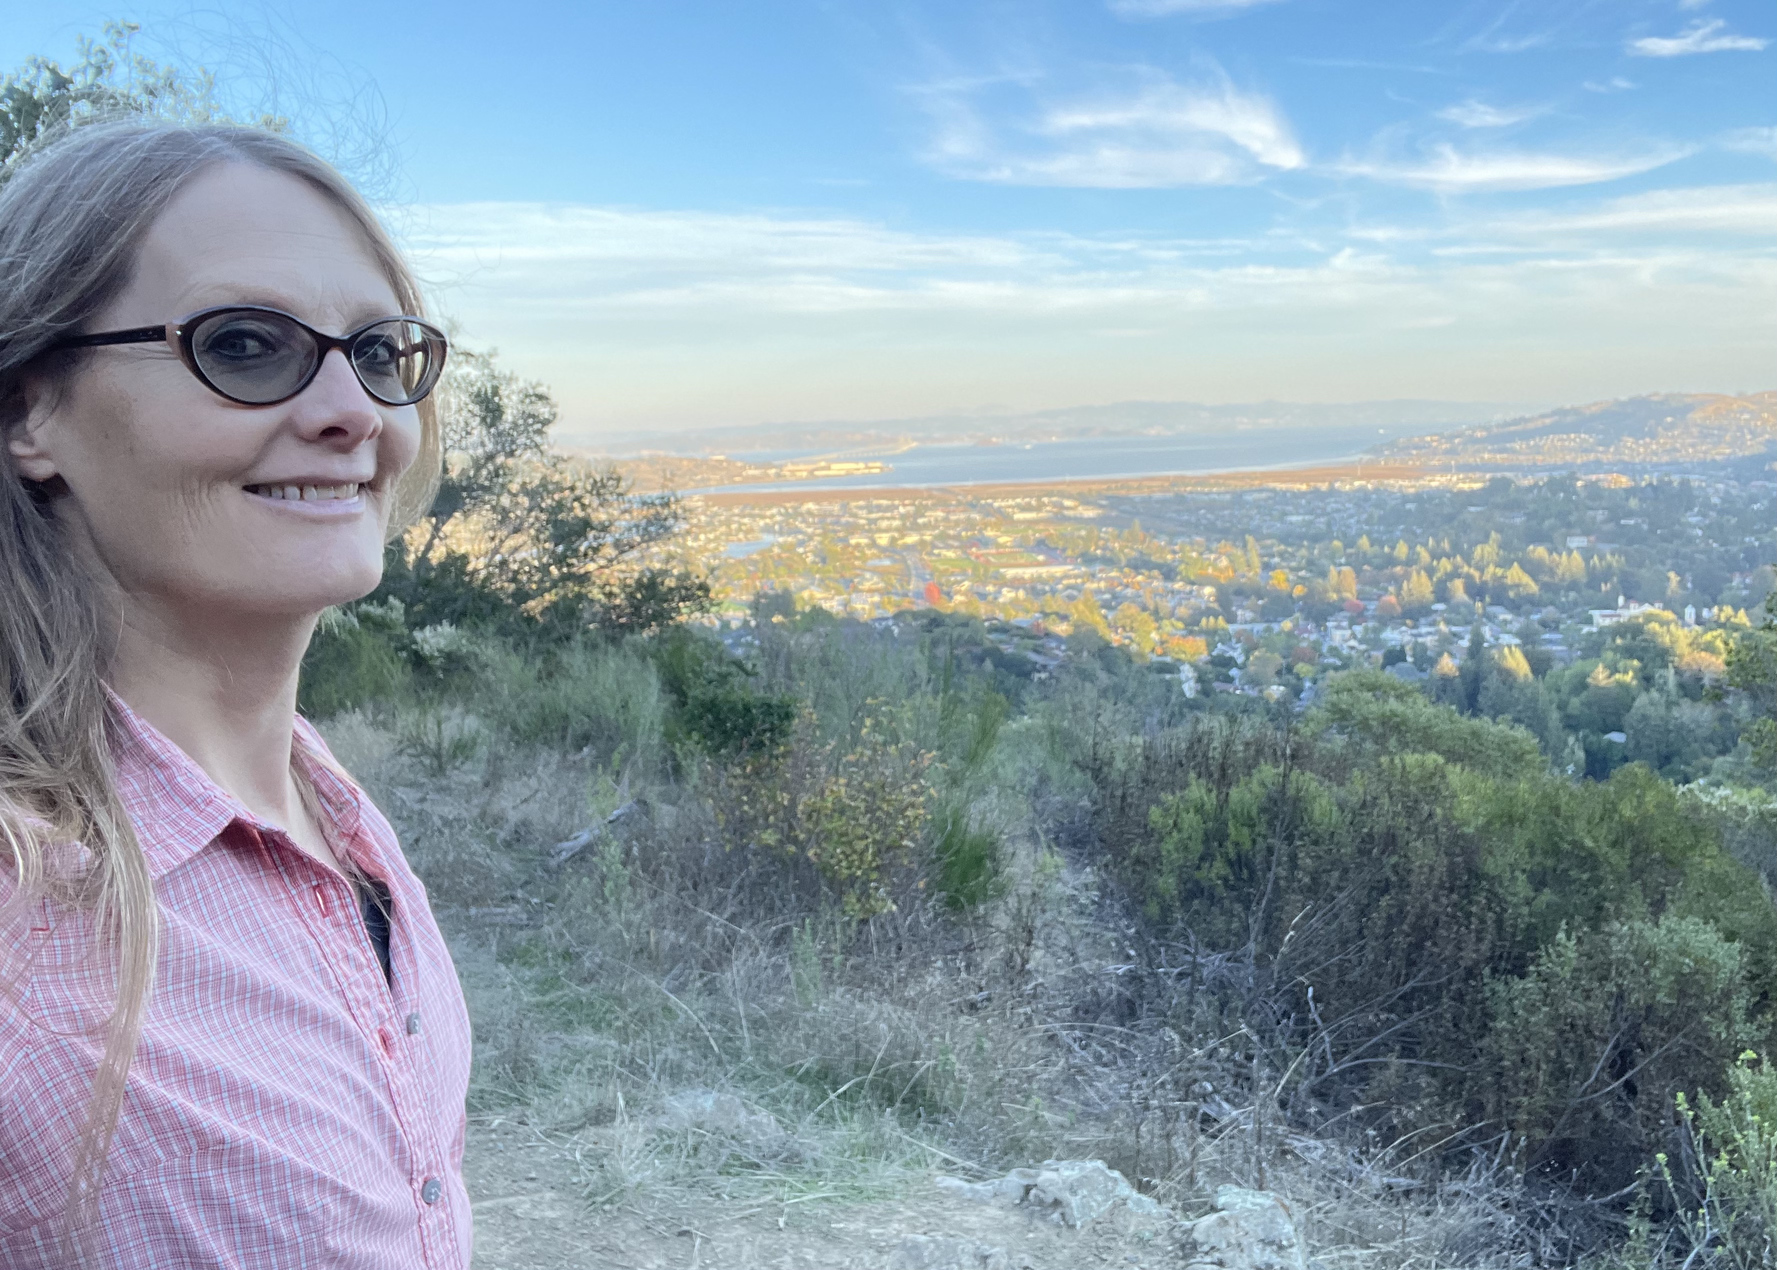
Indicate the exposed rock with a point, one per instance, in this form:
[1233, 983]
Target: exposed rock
[568, 848]
[712, 1112]
[1252, 1230]
[934, 1252]
[1073, 1192]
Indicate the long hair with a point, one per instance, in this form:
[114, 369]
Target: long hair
[71, 219]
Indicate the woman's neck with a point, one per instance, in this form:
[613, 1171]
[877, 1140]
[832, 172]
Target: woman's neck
[221, 689]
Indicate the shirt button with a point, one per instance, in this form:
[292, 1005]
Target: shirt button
[321, 900]
[432, 1189]
[413, 1025]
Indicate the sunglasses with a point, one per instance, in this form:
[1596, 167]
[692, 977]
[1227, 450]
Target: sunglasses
[259, 357]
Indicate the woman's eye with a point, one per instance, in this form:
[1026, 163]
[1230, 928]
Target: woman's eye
[376, 352]
[244, 342]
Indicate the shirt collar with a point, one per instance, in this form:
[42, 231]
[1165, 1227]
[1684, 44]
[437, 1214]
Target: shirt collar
[177, 810]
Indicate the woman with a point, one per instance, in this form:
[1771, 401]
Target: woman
[230, 1032]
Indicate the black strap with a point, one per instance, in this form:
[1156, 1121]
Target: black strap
[375, 902]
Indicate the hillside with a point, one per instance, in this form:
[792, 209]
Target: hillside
[1661, 430]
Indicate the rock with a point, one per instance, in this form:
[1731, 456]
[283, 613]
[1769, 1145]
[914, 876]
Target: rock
[1252, 1230]
[715, 1113]
[934, 1252]
[1075, 1193]
[568, 848]
[1003, 1192]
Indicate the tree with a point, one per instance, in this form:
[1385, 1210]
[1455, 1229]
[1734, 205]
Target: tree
[1519, 584]
[41, 100]
[1416, 592]
[1088, 615]
[1512, 664]
[1752, 670]
[1474, 666]
[1137, 623]
[527, 540]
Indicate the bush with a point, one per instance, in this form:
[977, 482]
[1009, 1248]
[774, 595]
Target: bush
[720, 707]
[357, 656]
[968, 862]
[1733, 1149]
[1588, 1050]
[1424, 916]
[857, 813]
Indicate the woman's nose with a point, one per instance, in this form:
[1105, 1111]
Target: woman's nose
[334, 409]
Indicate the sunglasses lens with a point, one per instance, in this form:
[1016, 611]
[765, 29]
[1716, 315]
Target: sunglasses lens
[253, 357]
[398, 361]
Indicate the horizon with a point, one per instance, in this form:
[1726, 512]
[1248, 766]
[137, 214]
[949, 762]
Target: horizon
[691, 218]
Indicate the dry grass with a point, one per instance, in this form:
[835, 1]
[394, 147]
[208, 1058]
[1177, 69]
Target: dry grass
[679, 1019]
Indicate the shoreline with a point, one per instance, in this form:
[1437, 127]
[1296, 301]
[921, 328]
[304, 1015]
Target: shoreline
[1175, 482]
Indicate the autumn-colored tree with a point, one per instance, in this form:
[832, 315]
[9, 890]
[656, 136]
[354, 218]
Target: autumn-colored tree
[1511, 664]
[1416, 592]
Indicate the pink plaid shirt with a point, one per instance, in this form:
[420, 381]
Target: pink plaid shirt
[286, 1108]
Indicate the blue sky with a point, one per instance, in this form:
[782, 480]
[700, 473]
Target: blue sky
[695, 214]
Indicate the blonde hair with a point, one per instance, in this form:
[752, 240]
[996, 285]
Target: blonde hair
[71, 218]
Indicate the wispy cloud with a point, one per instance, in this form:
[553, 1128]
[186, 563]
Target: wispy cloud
[1168, 8]
[1615, 84]
[671, 318]
[1478, 114]
[1753, 141]
[1156, 133]
[1699, 37]
[1452, 171]
[1741, 210]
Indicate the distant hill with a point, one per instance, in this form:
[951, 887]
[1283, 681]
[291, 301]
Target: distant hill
[1117, 419]
[1663, 430]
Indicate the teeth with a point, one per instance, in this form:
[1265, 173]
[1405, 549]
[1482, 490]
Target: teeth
[306, 493]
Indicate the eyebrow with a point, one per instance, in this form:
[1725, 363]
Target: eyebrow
[211, 297]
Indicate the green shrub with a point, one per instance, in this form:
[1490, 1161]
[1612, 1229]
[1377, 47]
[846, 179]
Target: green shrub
[856, 813]
[357, 657]
[1441, 924]
[1381, 714]
[1587, 1051]
[968, 862]
[1733, 1217]
[719, 705]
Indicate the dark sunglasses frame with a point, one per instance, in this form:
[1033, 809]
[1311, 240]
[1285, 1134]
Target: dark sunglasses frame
[182, 333]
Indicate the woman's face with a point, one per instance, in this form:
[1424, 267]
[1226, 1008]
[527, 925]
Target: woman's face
[184, 497]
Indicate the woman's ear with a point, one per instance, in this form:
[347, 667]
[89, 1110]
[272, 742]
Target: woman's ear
[27, 442]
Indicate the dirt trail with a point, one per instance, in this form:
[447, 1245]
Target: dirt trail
[529, 1215]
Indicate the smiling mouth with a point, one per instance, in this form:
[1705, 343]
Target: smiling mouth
[307, 493]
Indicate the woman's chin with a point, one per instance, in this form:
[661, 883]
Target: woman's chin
[304, 596]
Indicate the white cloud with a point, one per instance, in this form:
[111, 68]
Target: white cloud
[1748, 210]
[643, 318]
[1699, 37]
[1615, 84]
[1157, 135]
[1753, 141]
[1478, 114]
[1167, 8]
[1451, 171]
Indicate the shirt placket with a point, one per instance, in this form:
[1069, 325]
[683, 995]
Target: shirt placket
[394, 1030]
